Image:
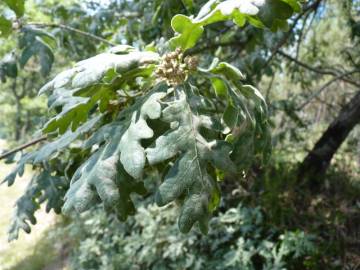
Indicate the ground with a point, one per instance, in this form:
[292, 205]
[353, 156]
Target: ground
[31, 251]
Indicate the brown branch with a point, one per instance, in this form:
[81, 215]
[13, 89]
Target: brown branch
[301, 34]
[22, 147]
[210, 46]
[339, 77]
[269, 88]
[71, 29]
[318, 70]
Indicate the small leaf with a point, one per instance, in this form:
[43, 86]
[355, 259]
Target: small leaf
[294, 4]
[18, 6]
[220, 87]
[274, 12]
[19, 168]
[229, 71]
[8, 66]
[188, 3]
[231, 116]
[189, 32]
[5, 27]
[36, 45]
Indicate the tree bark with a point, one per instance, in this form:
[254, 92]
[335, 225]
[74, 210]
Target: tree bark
[18, 122]
[318, 160]
[17, 131]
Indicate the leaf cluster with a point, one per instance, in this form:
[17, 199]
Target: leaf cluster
[238, 238]
[117, 121]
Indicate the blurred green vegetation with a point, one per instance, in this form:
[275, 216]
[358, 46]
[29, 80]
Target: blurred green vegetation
[267, 219]
[34, 251]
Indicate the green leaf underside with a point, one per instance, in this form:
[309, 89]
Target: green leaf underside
[114, 171]
[79, 89]
[45, 152]
[65, 140]
[260, 13]
[188, 176]
[43, 187]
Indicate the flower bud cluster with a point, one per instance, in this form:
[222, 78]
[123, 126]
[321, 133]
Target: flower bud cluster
[174, 68]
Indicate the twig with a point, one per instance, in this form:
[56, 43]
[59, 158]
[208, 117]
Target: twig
[71, 29]
[314, 95]
[310, 24]
[214, 45]
[318, 70]
[269, 88]
[22, 147]
[285, 38]
[301, 34]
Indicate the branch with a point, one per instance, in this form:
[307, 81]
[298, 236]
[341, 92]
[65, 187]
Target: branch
[71, 29]
[269, 88]
[13, 89]
[22, 147]
[301, 34]
[318, 160]
[197, 50]
[339, 77]
[236, 43]
[283, 41]
[320, 71]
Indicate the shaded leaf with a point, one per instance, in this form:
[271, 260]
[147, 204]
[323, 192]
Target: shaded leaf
[110, 173]
[5, 27]
[188, 176]
[42, 187]
[18, 6]
[79, 89]
[36, 42]
[46, 151]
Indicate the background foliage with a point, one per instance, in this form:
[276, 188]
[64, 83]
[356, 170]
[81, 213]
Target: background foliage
[268, 217]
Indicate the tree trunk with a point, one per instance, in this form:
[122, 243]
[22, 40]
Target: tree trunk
[318, 160]
[18, 122]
